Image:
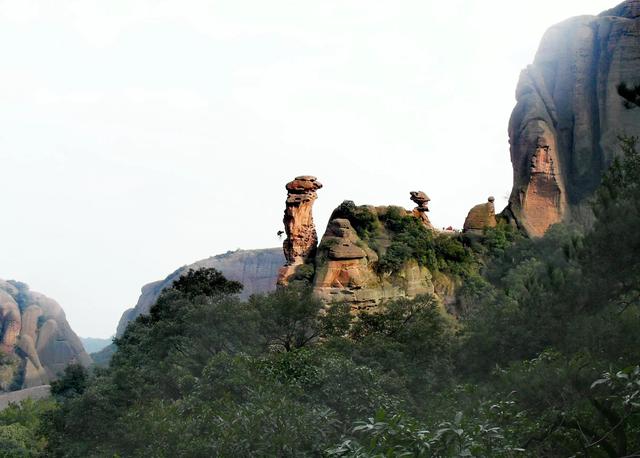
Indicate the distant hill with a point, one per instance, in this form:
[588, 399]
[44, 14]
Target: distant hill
[257, 270]
[95, 344]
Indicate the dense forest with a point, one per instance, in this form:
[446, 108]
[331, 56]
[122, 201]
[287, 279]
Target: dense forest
[542, 359]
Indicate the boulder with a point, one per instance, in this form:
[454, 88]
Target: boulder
[480, 217]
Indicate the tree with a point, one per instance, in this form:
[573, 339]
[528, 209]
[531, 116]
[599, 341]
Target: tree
[292, 317]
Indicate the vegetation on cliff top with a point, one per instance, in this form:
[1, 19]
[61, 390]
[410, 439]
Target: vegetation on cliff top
[398, 237]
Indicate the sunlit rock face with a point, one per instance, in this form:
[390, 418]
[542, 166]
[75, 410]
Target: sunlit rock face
[565, 126]
[346, 268]
[34, 331]
[480, 217]
[302, 238]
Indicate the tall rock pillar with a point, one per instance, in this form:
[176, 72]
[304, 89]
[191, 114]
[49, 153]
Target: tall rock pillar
[302, 239]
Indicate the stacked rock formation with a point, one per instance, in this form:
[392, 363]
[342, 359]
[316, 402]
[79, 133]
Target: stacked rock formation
[302, 239]
[480, 217]
[34, 329]
[345, 266]
[569, 113]
[421, 210]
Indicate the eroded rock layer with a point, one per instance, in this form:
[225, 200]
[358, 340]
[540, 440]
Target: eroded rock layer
[35, 335]
[569, 113]
[480, 217]
[354, 261]
[302, 239]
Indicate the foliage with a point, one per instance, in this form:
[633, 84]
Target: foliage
[396, 435]
[9, 371]
[362, 218]
[412, 240]
[72, 383]
[543, 360]
[631, 95]
[20, 429]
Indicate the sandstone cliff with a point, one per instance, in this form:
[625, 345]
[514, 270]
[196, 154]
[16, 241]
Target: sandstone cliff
[35, 338]
[569, 113]
[257, 270]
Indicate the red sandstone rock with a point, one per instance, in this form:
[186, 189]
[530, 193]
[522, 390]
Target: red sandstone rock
[564, 129]
[302, 239]
[480, 216]
[421, 210]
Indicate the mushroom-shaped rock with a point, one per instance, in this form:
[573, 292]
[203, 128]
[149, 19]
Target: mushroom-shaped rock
[421, 199]
[420, 212]
[480, 217]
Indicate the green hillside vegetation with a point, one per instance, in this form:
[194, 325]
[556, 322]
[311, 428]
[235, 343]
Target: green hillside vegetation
[543, 360]
[397, 237]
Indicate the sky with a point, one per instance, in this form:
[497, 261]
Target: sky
[138, 136]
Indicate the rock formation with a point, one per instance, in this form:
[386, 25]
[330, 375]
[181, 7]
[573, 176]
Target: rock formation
[421, 210]
[480, 217]
[569, 113]
[347, 263]
[302, 239]
[34, 330]
[257, 270]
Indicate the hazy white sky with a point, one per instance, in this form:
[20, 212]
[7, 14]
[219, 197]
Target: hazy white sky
[138, 136]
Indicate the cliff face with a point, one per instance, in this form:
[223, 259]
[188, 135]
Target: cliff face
[35, 338]
[569, 113]
[257, 270]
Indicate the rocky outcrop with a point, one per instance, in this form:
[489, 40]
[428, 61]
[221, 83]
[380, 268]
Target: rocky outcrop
[569, 113]
[302, 239]
[35, 330]
[347, 264]
[257, 270]
[421, 210]
[480, 217]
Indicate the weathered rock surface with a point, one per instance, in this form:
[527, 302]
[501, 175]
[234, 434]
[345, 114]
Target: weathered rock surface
[480, 217]
[345, 264]
[421, 210]
[563, 131]
[34, 328]
[257, 270]
[302, 239]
